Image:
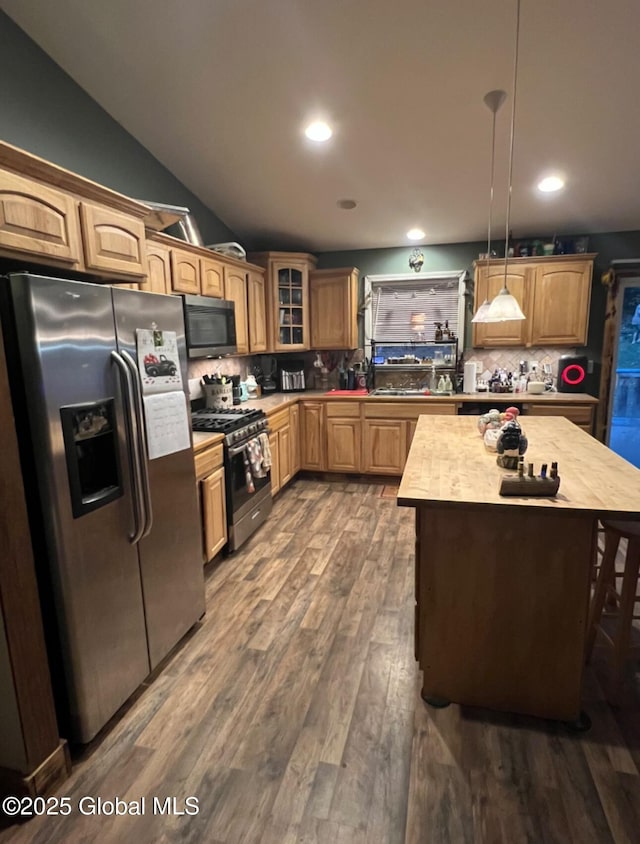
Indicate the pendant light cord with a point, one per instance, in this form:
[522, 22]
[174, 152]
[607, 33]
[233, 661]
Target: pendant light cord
[493, 161]
[513, 123]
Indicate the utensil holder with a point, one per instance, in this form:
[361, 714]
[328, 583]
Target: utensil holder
[218, 396]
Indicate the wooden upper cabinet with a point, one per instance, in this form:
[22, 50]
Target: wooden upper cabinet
[235, 289]
[287, 298]
[554, 293]
[38, 220]
[158, 268]
[257, 314]
[489, 281]
[334, 308]
[114, 242]
[212, 277]
[185, 272]
[560, 307]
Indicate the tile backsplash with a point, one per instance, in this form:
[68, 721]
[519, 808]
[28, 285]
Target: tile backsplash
[509, 359]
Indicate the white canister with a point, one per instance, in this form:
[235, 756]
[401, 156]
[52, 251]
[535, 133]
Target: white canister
[218, 396]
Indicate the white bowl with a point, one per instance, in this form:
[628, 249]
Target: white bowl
[535, 387]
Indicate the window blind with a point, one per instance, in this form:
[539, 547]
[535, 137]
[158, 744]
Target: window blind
[406, 311]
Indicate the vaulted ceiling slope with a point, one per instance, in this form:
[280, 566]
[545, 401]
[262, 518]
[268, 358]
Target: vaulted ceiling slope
[220, 92]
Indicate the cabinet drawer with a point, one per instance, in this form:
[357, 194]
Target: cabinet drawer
[208, 460]
[343, 409]
[278, 419]
[580, 414]
[408, 410]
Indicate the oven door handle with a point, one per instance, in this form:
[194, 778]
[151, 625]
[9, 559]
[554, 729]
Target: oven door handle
[238, 449]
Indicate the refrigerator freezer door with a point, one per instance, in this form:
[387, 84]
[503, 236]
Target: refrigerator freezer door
[171, 563]
[65, 334]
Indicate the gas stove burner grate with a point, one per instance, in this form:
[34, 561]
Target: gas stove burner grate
[224, 421]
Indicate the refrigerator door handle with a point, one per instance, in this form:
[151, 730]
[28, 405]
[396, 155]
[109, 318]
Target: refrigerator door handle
[132, 447]
[142, 441]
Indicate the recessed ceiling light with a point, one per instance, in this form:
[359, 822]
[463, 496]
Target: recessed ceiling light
[346, 204]
[550, 184]
[318, 131]
[415, 234]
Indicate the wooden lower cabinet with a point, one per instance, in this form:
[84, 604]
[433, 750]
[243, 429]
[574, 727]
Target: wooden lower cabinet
[280, 442]
[344, 436]
[312, 436]
[274, 445]
[344, 445]
[384, 446]
[213, 503]
[214, 513]
[294, 422]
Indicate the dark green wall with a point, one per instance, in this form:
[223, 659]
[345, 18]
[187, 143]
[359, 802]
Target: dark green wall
[43, 111]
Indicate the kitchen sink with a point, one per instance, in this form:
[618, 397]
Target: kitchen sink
[391, 391]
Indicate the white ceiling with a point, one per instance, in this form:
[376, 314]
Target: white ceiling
[219, 90]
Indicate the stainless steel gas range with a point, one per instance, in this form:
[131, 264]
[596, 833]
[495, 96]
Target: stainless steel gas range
[248, 494]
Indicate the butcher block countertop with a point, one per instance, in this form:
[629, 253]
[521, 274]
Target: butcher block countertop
[448, 464]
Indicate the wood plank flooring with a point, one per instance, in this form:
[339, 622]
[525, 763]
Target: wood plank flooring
[293, 713]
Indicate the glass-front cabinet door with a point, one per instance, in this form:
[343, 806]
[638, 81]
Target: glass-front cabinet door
[289, 304]
[291, 307]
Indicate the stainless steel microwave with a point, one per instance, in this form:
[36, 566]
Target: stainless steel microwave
[210, 326]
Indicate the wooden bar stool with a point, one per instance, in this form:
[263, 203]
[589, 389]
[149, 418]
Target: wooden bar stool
[618, 634]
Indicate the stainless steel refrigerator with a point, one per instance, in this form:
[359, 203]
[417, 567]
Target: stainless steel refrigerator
[623, 430]
[122, 534]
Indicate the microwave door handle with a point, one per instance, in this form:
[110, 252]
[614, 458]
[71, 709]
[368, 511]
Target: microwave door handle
[142, 441]
[126, 389]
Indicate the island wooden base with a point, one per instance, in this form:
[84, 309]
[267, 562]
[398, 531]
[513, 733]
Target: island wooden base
[501, 610]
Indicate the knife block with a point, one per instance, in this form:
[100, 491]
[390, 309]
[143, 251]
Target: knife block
[526, 487]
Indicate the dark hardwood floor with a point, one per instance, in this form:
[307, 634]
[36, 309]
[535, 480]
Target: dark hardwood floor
[292, 713]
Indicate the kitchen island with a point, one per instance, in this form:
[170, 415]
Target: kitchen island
[502, 583]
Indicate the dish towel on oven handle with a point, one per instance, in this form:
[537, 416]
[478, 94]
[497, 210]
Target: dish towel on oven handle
[248, 475]
[266, 450]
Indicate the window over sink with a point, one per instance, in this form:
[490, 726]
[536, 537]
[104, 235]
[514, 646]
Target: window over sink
[405, 309]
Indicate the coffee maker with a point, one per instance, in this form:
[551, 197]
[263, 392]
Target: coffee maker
[291, 375]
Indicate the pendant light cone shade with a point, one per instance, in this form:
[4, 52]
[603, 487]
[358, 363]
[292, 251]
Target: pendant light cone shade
[481, 313]
[503, 308]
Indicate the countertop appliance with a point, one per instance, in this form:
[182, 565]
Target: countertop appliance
[291, 376]
[210, 326]
[246, 510]
[116, 535]
[572, 371]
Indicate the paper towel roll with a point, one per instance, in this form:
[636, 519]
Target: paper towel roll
[469, 379]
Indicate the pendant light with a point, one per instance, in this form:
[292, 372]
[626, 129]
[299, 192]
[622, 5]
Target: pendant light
[493, 100]
[505, 306]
